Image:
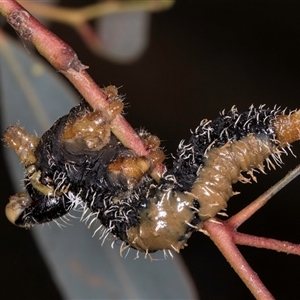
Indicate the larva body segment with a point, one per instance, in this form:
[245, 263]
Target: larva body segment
[167, 220]
[79, 162]
[287, 128]
[23, 143]
[223, 167]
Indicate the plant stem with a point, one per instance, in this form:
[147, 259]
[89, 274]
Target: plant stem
[77, 16]
[222, 236]
[64, 59]
[243, 215]
[225, 236]
[266, 243]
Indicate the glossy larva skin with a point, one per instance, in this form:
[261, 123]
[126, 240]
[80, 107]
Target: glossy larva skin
[79, 162]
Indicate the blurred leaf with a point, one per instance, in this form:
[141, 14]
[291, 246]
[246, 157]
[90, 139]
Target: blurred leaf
[34, 95]
[124, 36]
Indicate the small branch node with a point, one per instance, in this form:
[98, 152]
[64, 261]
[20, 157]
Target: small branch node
[70, 60]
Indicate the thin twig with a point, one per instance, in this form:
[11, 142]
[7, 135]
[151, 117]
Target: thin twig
[77, 16]
[266, 243]
[243, 215]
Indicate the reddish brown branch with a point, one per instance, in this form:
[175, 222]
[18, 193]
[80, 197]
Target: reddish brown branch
[222, 236]
[64, 59]
[266, 243]
[89, 36]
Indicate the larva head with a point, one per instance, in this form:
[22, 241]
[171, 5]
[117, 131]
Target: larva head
[16, 206]
[90, 131]
[115, 106]
[128, 171]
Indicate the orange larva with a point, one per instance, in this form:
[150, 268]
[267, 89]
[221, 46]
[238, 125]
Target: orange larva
[72, 166]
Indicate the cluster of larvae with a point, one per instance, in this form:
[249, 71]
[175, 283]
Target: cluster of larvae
[79, 162]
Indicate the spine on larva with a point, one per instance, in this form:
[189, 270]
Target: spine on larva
[78, 161]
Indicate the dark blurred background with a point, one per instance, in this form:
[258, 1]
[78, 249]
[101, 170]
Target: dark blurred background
[203, 56]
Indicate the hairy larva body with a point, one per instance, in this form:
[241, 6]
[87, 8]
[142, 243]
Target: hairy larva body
[79, 162]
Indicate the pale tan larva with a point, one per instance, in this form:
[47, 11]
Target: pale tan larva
[79, 161]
